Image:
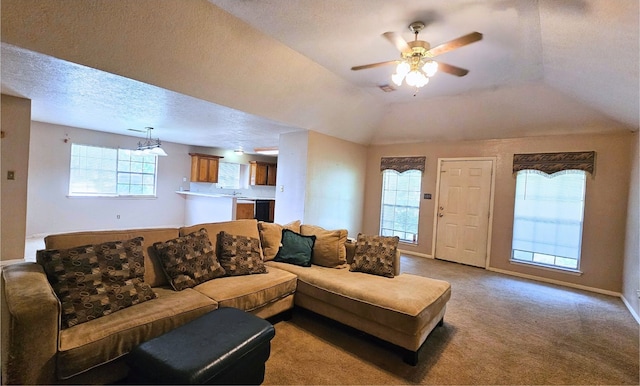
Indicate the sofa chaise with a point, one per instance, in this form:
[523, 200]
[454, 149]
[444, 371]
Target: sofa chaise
[36, 349]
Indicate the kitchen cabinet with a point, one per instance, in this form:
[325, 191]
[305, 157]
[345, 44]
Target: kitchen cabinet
[244, 210]
[262, 173]
[204, 167]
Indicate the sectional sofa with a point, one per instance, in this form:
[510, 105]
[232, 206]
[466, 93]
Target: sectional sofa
[43, 343]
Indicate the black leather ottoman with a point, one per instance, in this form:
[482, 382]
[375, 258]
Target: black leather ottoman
[225, 346]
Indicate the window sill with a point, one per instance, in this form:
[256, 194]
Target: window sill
[116, 197]
[569, 271]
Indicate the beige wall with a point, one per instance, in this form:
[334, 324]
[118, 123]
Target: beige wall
[335, 183]
[16, 120]
[605, 208]
[631, 279]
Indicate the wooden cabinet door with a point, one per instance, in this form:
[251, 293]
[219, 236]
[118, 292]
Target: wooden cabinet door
[244, 211]
[258, 173]
[271, 174]
[204, 168]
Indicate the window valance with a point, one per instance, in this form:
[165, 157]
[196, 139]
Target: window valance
[555, 162]
[402, 164]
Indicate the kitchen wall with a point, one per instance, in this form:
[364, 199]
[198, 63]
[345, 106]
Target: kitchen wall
[16, 118]
[631, 283]
[49, 210]
[291, 178]
[603, 247]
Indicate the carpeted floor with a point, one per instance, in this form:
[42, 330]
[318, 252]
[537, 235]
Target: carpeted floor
[498, 330]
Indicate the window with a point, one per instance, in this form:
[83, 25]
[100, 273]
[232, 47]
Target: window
[400, 204]
[101, 171]
[548, 216]
[229, 175]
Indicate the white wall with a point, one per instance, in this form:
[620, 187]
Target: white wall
[49, 210]
[291, 178]
[631, 274]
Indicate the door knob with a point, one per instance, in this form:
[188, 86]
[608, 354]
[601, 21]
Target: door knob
[441, 208]
[440, 215]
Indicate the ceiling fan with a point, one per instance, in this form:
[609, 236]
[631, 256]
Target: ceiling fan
[416, 66]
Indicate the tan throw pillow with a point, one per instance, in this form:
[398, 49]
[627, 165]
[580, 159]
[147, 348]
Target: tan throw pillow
[271, 236]
[240, 255]
[329, 249]
[375, 255]
[96, 280]
[189, 260]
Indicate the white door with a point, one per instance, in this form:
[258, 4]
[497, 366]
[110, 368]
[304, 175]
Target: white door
[464, 199]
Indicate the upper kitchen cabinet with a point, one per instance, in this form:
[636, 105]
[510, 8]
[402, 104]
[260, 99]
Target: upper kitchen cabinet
[262, 173]
[204, 167]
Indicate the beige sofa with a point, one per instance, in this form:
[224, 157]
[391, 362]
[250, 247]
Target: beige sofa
[35, 350]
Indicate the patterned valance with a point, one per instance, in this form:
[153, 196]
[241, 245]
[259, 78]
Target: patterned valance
[402, 164]
[555, 162]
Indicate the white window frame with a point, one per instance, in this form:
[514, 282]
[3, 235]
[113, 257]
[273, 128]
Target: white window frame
[537, 257]
[221, 173]
[392, 231]
[114, 168]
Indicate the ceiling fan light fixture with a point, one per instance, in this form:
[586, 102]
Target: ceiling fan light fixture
[416, 78]
[430, 68]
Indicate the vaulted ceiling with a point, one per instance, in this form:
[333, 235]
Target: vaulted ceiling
[229, 73]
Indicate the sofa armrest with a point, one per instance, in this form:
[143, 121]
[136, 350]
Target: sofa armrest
[30, 323]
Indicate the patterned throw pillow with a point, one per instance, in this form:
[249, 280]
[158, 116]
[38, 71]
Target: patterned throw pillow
[375, 255]
[240, 255]
[96, 280]
[296, 248]
[189, 260]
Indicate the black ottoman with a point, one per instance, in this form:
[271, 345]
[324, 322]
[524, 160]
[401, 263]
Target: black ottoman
[225, 346]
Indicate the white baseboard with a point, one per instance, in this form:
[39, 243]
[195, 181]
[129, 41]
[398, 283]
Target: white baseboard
[405, 252]
[631, 310]
[558, 282]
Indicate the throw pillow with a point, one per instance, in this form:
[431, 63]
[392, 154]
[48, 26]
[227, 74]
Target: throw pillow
[240, 255]
[92, 281]
[375, 255]
[329, 249]
[189, 260]
[271, 236]
[296, 248]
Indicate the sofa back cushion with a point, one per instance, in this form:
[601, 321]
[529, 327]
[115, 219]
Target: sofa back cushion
[271, 236]
[153, 273]
[248, 228]
[329, 249]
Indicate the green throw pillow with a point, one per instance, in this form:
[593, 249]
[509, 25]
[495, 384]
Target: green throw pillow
[296, 248]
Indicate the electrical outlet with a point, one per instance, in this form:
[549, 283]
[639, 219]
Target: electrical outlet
[638, 292]
[118, 216]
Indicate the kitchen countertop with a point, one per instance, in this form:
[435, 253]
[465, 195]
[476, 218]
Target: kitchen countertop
[211, 195]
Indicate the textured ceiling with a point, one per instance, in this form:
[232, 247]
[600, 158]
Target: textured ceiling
[242, 74]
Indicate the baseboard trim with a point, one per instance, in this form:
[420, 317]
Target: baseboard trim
[558, 282]
[631, 310]
[405, 252]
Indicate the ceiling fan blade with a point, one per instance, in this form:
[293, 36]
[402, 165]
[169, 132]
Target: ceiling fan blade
[397, 41]
[455, 43]
[373, 65]
[453, 70]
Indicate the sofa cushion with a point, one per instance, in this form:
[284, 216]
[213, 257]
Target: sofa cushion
[250, 292]
[189, 260]
[240, 255]
[271, 236]
[405, 303]
[153, 273]
[295, 249]
[99, 341]
[375, 255]
[92, 281]
[329, 249]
